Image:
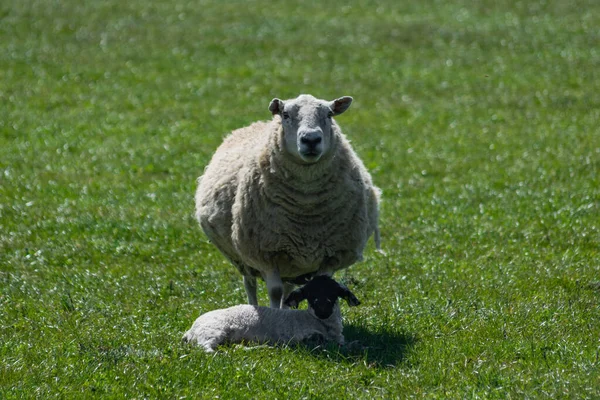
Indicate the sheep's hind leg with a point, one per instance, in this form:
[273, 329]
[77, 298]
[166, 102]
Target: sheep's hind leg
[250, 286]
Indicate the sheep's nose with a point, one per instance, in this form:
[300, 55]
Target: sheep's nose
[311, 139]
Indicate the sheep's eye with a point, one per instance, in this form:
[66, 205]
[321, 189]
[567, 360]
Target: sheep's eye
[286, 115]
[330, 114]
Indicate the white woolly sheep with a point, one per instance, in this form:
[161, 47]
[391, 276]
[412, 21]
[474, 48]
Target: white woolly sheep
[322, 320]
[288, 199]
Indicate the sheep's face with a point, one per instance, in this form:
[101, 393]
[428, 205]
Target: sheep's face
[307, 122]
[322, 293]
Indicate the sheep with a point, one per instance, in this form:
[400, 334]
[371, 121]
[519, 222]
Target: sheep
[321, 321]
[288, 199]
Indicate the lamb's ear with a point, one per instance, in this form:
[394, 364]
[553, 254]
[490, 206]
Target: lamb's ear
[347, 295]
[295, 298]
[340, 105]
[276, 106]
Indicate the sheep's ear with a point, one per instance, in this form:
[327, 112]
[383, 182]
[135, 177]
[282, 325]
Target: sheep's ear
[340, 105]
[295, 298]
[276, 106]
[347, 295]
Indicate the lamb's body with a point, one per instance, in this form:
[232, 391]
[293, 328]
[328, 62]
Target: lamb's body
[279, 218]
[248, 323]
[321, 321]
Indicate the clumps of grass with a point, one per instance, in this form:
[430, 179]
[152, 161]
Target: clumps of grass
[478, 120]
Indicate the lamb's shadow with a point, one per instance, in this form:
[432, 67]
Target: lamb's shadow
[380, 348]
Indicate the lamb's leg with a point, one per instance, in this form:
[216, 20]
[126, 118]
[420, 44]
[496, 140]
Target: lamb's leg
[250, 286]
[314, 338]
[274, 288]
[287, 289]
[209, 344]
[209, 347]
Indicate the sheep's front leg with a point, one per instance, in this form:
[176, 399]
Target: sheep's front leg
[314, 338]
[250, 286]
[274, 288]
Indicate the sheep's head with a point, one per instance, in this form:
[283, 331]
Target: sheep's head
[322, 293]
[307, 122]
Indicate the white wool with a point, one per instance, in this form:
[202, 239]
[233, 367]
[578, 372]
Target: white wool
[262, 325]
[289, 197]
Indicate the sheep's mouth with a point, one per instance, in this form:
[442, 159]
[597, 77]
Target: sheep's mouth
[310, 156]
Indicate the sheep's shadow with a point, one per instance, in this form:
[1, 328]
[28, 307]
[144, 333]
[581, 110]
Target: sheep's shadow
[381, 348]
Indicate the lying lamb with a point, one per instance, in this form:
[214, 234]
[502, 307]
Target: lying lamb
[321, 321]
[289, 198]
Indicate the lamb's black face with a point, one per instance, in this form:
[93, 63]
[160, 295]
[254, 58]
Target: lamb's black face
[322, 293]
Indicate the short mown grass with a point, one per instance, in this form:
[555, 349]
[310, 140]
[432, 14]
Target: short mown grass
[479, 120]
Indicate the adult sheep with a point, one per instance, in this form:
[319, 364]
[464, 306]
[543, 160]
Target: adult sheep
[289, 198]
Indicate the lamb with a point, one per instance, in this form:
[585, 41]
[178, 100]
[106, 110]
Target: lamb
[288, 199]
[322, 320]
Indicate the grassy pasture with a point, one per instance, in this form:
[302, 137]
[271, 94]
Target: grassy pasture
[480, 120]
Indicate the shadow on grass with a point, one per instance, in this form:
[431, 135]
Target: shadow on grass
[379, 348]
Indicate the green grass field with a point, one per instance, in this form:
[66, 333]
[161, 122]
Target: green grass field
[480, 120]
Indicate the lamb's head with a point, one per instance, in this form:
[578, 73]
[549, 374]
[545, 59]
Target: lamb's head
[307, 122]
[322, 293]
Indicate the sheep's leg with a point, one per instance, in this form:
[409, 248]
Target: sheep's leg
[250, 286]
[199, 338]
[287, 289]
[274, 288]
[314, 338]
[209, 347]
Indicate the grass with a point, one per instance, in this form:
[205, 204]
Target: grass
[479, 120]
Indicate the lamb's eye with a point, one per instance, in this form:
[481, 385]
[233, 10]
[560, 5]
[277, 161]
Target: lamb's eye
[330, 114]
[286, 115]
